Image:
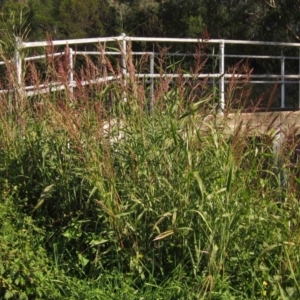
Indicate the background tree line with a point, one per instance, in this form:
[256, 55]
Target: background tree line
[232, 19]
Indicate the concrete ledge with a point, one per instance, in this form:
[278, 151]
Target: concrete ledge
[258, 123]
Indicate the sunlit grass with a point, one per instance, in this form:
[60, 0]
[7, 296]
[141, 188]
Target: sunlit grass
[124, 203]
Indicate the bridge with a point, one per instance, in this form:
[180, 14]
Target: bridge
[221, 63]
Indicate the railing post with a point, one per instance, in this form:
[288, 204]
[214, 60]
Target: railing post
[71, 75]
[221, 74]
[18, 62]
[124, 65]
[282, 81]
[277, 144]
[151, 81]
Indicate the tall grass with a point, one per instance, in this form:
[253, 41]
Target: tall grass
[125, 203]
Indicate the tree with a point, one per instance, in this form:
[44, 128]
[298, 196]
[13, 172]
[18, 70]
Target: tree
[183, 18]
[137, 17]
[79, 19]
[229, 19]
[42, 19]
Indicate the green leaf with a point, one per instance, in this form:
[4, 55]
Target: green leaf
[98, 242]
[229, 178]
[43, 197]
[83, 261]
[297, 180]
[163, 235]
[200, 184]
[23, 296]
[203, 218]
[8, 295]
[282, 294]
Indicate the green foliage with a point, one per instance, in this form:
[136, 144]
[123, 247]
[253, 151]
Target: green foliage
[14, 18]
[254, 20]
[102, 202]
[196, 26]
[43, 19]
[88, 20]
[25, 270]
[14, 25]
[160, 204]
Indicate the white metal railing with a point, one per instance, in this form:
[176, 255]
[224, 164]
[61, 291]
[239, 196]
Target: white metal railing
[121, 50]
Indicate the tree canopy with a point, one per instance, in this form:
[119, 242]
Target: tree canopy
[235, 19]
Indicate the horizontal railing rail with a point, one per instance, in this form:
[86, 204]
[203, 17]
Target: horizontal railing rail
[120, 45]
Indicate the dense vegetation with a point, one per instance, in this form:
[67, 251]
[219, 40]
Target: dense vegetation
[255, 20]
[101, 199]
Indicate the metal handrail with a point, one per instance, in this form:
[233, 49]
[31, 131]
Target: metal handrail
[123, 40]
